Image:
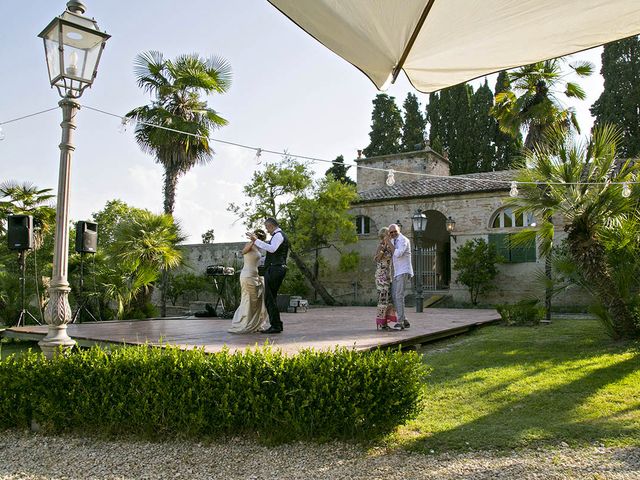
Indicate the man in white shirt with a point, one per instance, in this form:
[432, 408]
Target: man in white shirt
[275, 266]
[402, 273]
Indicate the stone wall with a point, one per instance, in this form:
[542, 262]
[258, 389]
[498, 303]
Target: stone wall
[199, 256]
[423, 161]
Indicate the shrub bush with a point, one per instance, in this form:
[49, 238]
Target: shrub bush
[525, 312]
[160, 392]
[475, 262]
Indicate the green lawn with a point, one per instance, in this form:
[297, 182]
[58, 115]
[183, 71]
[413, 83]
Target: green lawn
[504, 387]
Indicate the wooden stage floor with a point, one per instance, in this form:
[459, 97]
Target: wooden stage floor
[319, 328]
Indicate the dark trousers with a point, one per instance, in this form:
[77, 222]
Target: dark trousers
[273, 278]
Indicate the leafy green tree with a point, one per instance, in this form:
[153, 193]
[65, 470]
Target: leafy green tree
[534, 103]
[320, 220]
[619, 103]
[507, 146]
[413, 125]
[386, 126]
[476, 262]
[313, 214]
[339, 171]
[583, 184]
[177, 86]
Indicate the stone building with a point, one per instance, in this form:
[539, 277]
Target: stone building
[473, 205]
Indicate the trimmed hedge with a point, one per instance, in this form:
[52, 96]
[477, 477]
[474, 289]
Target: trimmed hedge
[160, 392]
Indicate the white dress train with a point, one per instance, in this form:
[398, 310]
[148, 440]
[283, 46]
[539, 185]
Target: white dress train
[251, 315]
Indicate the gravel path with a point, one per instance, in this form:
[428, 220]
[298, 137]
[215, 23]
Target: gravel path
[33, 456]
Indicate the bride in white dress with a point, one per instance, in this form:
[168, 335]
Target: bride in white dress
[251, 315]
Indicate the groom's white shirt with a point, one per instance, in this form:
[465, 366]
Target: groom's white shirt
[275, 242]
[402, 256]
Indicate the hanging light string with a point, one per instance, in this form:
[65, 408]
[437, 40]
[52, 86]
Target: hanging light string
[390, 180]
[28, 116]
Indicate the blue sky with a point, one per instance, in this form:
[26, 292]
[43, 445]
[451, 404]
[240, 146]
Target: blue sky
[288, 93]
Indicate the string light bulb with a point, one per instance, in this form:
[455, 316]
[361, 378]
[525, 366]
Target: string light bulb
[626, 190]
[124, 124]
[391, 180]
[2, 135]
[259, 156]
[513, 192]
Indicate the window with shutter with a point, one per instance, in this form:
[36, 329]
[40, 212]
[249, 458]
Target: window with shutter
[511, 253]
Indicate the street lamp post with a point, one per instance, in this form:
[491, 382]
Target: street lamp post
[419, 223]
[73, 45]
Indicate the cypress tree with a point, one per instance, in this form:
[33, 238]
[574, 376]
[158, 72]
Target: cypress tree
[449, 114]
[507, 147]
[414, 125]
[459, 129]
[434, 119]
[339, 171]
[484, 126]
[386, 125]
[620, 101]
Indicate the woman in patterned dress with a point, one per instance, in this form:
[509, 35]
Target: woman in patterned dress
[385, 312]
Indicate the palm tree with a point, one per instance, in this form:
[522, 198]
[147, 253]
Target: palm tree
[144, 246]
[538, 108]
[583, 182]
[27, 199]
[177, 86]
[534, 99]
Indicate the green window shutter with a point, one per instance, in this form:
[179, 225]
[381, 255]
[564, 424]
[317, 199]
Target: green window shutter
[530, 253]
[524, 253]
[501, 242]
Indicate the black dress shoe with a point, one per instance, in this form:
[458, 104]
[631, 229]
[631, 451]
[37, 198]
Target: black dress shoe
[271, 330]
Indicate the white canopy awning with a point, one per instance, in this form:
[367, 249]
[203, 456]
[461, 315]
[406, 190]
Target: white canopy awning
[439, 43]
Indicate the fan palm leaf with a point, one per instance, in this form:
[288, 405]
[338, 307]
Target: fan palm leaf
[580, 183]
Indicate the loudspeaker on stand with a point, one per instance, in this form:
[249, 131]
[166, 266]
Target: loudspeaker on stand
[20, 232]
[86, 237]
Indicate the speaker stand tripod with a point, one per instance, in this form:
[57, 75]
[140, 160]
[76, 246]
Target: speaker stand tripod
[24, 313]
[85, 300]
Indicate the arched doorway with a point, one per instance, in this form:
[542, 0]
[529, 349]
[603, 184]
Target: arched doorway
[433, 250]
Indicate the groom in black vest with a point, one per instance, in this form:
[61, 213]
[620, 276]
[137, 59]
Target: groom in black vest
[275, 268]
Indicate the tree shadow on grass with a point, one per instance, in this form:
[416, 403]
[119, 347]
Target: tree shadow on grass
[538, 419]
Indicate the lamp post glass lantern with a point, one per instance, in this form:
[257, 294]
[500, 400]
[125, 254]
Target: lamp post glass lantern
[73, 46]
[419, 223]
